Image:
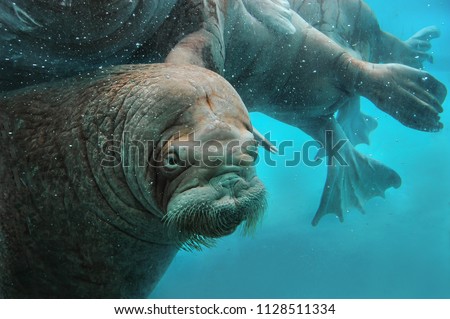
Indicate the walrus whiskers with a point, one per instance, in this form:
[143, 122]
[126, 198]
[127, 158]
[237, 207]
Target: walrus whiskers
[199, 224]
[253, 220]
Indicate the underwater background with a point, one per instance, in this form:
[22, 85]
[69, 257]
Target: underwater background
[400, 247]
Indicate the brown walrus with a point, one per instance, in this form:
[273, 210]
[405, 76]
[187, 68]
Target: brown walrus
[96, 194]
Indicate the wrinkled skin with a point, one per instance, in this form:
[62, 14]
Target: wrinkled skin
[84, 214]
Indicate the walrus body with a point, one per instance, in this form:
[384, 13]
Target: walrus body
[87, 209]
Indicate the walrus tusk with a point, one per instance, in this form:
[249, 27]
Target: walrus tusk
[264, 142]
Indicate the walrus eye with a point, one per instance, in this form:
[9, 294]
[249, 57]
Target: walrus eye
[172, 161]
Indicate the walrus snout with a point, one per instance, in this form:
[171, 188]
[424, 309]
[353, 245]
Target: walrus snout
[202, 213]
[228, 180]
[231, 184]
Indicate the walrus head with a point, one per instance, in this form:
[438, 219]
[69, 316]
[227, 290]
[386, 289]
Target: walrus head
[198, 177]
[210, 184]
[212, 190]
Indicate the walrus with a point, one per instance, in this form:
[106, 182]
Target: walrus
[275, 59]
[100, 185]
[296, 74]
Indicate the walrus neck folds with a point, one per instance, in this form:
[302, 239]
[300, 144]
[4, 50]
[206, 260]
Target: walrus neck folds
[120, 167]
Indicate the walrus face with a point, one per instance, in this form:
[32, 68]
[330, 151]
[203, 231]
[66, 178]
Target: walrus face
[212, 185]
[198, 177]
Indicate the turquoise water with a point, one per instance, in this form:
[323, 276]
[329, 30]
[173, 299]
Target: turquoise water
[399, 249]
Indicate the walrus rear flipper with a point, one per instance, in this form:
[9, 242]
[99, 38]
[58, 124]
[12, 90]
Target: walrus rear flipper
[352, 177]
[412, 52]
[421, 39]
[356, 125]
[350, 186]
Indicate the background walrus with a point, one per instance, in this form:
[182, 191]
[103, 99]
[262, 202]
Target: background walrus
[76, 221]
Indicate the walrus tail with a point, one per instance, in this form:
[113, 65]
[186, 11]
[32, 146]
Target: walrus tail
[350, 185]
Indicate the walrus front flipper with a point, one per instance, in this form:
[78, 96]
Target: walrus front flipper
[357, 126]
[411, 96]
[204, 47]
[352, 177]
[274, 14]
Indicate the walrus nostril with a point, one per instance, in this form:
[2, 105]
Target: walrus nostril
[230, 182]
[225, 181]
